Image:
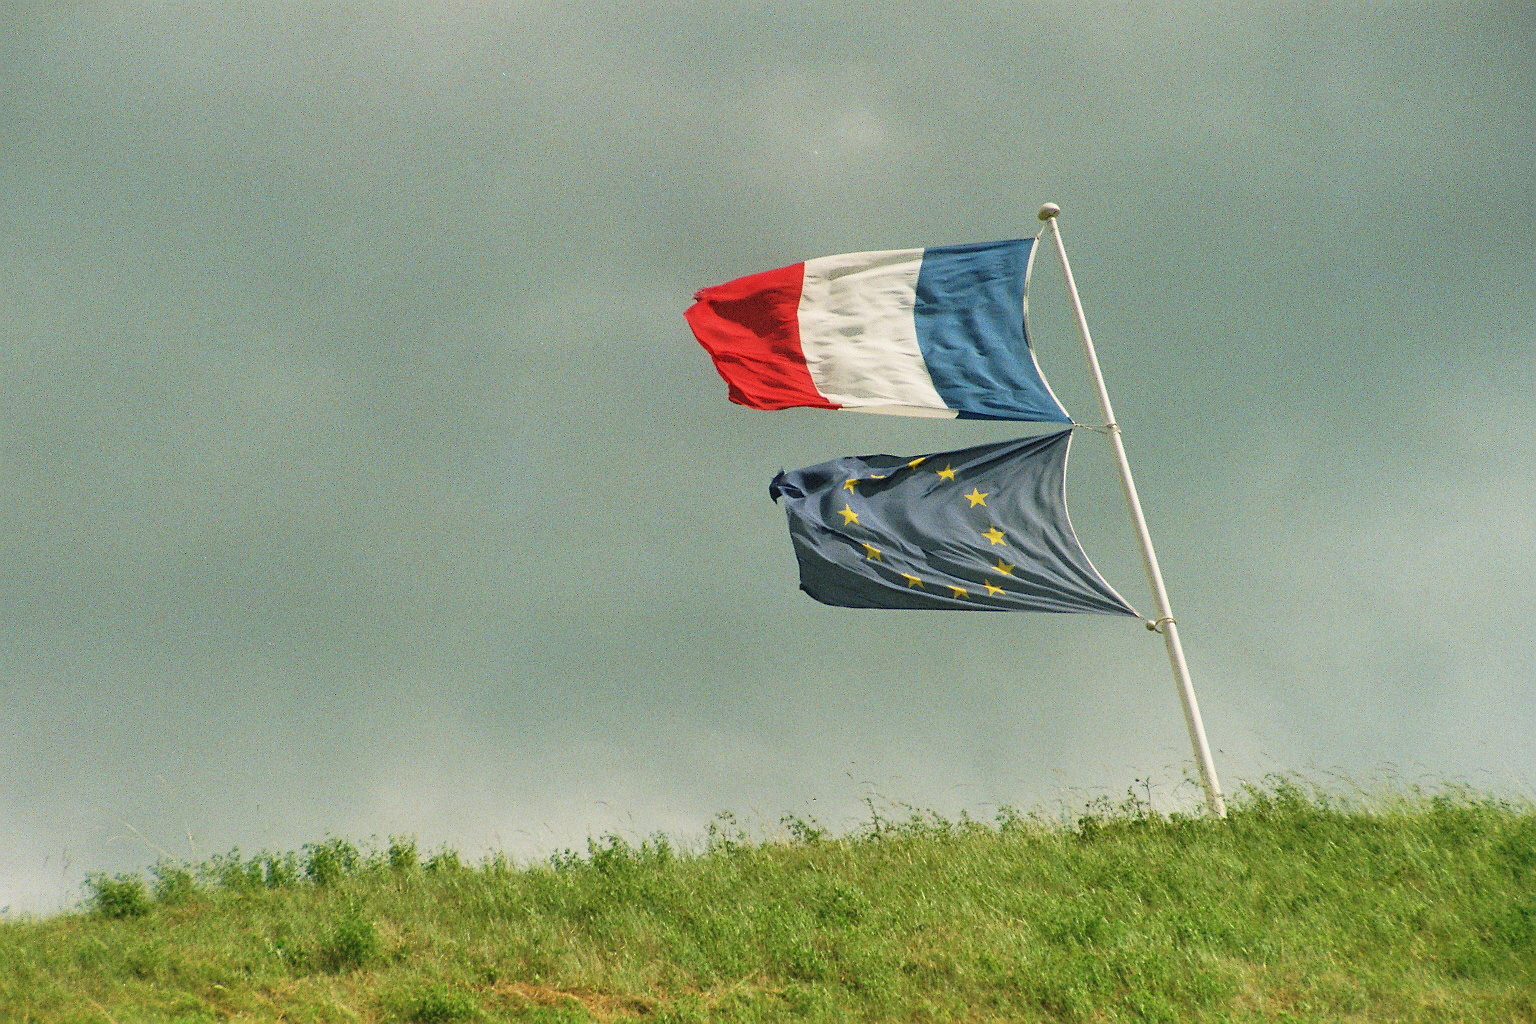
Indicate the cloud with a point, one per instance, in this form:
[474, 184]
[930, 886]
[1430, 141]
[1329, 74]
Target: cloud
[360, 474]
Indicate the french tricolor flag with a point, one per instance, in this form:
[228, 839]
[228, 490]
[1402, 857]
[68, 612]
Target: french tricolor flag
[917, 332]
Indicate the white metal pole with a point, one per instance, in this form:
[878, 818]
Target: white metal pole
[1165, 623]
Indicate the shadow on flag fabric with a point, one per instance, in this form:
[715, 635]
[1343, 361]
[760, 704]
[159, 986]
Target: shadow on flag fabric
[916, 332]
[980, 529]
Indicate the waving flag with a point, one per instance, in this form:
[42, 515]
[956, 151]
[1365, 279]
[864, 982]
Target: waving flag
[981, 529]
[918, 332]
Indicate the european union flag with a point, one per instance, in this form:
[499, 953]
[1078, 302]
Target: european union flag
[980, 529]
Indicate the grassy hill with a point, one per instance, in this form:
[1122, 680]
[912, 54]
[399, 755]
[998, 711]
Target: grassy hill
[1293, 909]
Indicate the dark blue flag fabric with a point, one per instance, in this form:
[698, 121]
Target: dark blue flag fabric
[980, 529]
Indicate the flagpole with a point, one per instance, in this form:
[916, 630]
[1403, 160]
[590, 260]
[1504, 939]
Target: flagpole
[1165, 623]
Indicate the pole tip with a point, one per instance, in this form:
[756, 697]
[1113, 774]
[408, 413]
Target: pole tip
[1049, 210]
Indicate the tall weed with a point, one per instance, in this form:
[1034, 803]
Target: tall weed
[117, 897]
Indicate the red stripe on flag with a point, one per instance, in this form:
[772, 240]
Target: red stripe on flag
[751, 329]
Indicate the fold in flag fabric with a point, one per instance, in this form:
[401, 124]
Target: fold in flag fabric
[980, 529]
[917, 332]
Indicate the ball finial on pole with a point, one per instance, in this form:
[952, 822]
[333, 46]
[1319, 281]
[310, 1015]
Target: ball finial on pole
[1049, 210]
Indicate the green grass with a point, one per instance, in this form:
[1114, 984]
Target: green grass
[1296, 908]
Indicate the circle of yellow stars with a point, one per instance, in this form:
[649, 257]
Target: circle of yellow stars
[977, 499]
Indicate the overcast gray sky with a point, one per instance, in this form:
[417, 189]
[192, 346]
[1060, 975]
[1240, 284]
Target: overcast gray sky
[359, 475]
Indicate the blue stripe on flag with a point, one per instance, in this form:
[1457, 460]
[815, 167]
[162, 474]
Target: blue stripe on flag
[970, 327]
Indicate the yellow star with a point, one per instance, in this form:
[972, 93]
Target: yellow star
[992, 591]
[848, 484]
[958, 591]
[977, 497]
[912, 581]
[994, 535]
[946, 473]
[872, 552]
[850, 516]
[1003, 567]
[917, 461]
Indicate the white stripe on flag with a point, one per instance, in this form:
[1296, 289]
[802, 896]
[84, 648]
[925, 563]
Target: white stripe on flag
[857, 330]
[907, 410]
